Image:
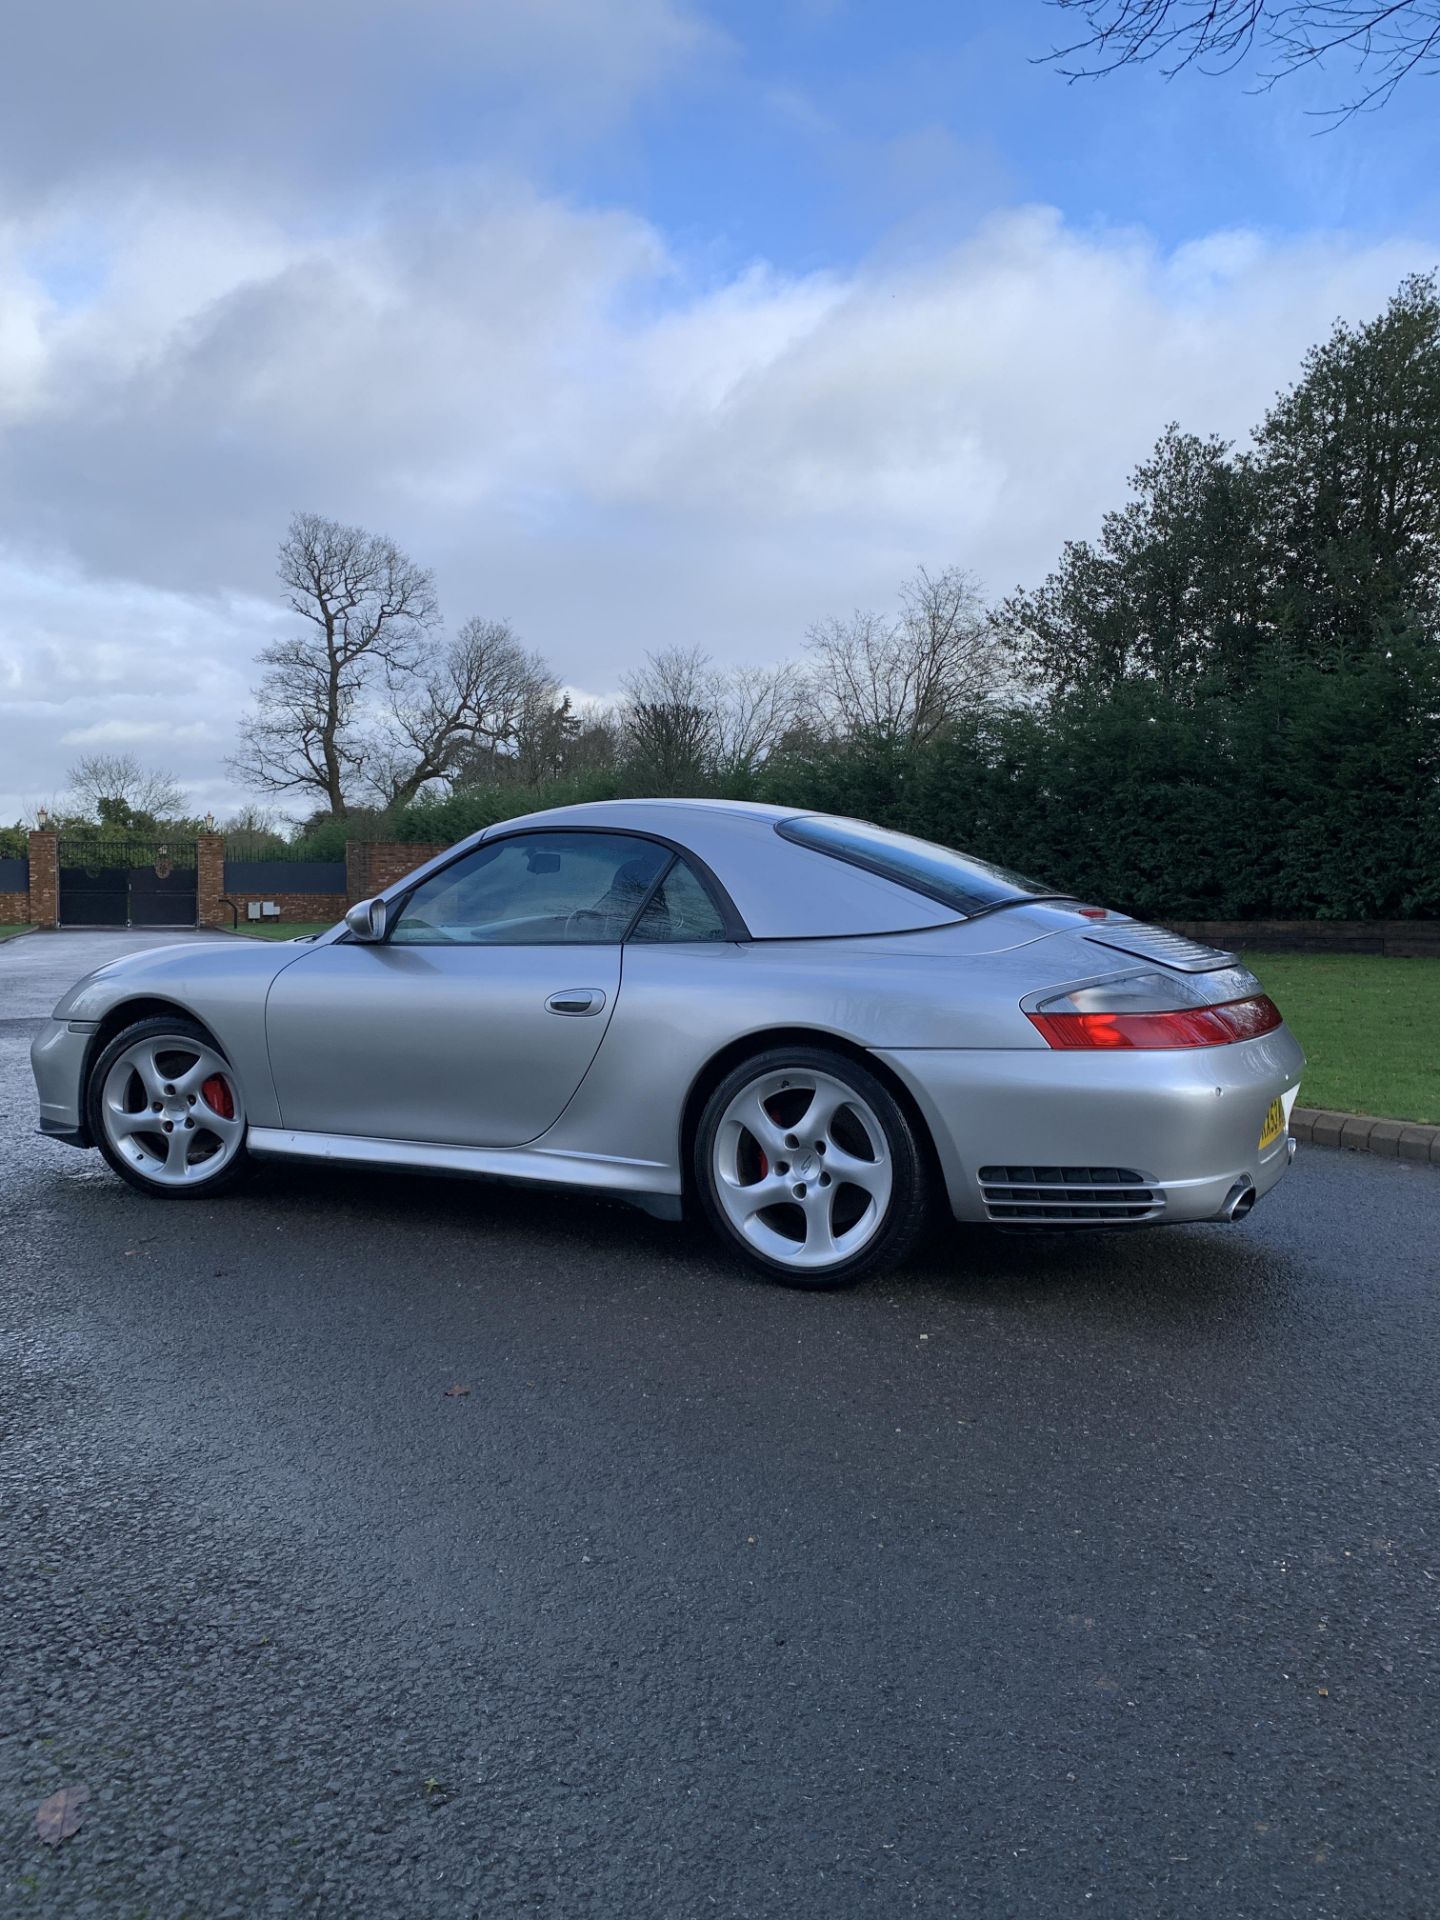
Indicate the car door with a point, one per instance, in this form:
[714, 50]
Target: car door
[475, 1020]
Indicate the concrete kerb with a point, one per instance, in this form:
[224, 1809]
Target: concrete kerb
[1367, 1133]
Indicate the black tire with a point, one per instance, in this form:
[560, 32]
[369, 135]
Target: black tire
[902, 1219]
[178, 1028]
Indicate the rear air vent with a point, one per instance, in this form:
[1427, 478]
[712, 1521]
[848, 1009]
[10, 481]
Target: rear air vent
[1069, 1196]
[1158, 943]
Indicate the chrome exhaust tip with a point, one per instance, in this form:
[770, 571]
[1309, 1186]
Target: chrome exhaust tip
[1239, 1200]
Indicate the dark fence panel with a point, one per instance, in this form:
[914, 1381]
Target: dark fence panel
[14, 875]
[285, 876]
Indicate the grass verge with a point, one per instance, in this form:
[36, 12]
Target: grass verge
[9, 933]
[1367, 1024]
[281, 929]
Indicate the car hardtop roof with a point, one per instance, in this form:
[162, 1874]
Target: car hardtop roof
[778, 886]
[641, 813]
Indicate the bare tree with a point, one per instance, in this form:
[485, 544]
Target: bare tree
[108, 785]
[757, 708]
[670, 717]
[1386, 41]
[904, 678]
[470, 702]
[256, 822]
[367, 609]
[685, 721]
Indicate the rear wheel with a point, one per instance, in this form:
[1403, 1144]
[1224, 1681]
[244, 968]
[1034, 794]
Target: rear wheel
[809, 1167]
[165, 1108]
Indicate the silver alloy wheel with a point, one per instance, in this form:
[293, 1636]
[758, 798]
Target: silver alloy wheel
[802, 1168]
[163, 1108]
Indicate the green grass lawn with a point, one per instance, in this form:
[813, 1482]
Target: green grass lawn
[282, 929]
[9, 933]
[1368, 1025]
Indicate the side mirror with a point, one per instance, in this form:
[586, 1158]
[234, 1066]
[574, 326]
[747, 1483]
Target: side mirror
[367, 920]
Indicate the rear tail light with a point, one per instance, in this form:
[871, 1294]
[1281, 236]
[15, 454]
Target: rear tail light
[1152, 1011]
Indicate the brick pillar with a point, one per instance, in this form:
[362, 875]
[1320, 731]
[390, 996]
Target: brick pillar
[210, 881]
[45, 879]
[357, 871]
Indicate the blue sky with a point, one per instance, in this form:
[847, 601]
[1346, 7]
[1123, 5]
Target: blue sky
[819, 130]
[640, 321]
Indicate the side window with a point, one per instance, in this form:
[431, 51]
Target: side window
[534, 889]
[680, 909]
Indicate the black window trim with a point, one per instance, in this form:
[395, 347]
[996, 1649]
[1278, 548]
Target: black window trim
[735, 928]
[877, 867]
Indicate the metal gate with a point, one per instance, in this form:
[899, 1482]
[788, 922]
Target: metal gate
[116, 881]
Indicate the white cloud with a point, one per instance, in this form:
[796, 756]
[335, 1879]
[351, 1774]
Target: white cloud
[165, 736]
[537, 399]
[289, 99]
[93, 662]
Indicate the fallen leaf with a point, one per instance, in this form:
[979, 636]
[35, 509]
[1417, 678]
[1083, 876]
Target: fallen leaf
[456, 1392]
[59, 1817]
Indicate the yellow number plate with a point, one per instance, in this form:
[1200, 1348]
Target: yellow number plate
[1274, 1124]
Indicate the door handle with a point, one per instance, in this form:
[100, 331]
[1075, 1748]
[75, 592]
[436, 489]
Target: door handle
[576, 1000]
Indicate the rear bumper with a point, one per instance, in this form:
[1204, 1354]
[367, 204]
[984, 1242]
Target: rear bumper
[1062, 1138]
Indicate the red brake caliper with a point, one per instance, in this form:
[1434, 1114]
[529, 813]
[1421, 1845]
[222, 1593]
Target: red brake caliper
[764, 1161]
[217, 1093]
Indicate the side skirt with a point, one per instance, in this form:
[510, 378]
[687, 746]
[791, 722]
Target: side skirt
[648, 1184]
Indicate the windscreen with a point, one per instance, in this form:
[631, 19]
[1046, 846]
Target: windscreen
[940, 873]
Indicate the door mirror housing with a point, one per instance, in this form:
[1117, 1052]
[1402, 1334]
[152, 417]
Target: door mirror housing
[368, 920]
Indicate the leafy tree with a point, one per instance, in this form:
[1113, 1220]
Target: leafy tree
[1348, 469]
[1172, 590]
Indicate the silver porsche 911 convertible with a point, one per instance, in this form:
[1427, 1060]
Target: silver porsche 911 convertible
[812, 1028]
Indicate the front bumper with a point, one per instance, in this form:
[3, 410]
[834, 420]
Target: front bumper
[57, 1059]
[1186, 1124]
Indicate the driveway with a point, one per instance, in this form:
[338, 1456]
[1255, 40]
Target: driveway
[1054, 1577]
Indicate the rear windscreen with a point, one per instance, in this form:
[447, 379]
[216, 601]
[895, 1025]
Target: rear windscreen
[955, 879]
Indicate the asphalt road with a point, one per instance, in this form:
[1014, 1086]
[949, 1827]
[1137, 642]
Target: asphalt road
[1051, 1578]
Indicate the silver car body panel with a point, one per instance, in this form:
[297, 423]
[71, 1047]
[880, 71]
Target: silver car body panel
[543, 1165]
[222, 985]
[451, 1059]
[450, 1044]
[1189, 1121]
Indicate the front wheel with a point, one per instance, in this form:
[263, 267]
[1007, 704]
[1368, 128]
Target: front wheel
[809, 1167]
[165, 1109]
